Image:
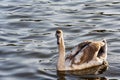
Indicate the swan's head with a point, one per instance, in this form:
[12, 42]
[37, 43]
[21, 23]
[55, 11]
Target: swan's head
[59, 35]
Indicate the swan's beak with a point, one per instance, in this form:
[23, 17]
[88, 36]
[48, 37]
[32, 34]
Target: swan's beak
[57, 36]
[103, 51]
[58, 41]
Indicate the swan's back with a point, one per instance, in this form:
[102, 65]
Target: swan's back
[85, 55]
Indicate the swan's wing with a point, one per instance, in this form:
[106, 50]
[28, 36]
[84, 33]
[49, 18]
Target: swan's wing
[103, 51]
[77, 50]
[85, 52]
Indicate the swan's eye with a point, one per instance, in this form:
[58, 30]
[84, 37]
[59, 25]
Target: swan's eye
[58, 33]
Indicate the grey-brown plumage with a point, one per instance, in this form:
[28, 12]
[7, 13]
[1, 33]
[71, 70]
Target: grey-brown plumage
[85, 55]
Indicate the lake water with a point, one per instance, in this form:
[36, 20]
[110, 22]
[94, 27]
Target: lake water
[28, 49]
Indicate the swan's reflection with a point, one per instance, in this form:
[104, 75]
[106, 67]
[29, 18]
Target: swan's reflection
[84, 74]
[85, 77]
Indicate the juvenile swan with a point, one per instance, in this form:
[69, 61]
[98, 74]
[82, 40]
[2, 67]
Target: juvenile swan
[85, 55]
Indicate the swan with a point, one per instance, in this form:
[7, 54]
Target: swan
[85, 55]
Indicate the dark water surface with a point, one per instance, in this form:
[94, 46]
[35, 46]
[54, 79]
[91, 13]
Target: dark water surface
[28, 49]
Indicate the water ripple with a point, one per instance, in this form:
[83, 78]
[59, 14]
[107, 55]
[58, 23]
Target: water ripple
[28, 49]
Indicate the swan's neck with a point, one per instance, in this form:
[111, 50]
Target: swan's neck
[61, 58]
